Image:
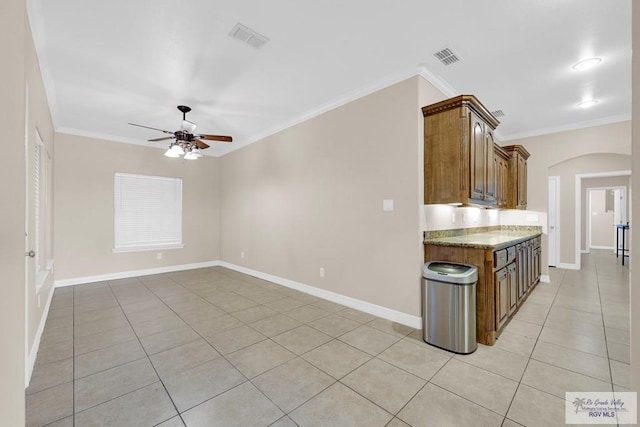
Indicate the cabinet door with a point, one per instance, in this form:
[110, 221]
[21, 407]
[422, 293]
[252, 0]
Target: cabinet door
[537, 267]
[522, 270]
[497, 177]
[529, 264]
[513, 287]
[478, 159]
[522, 182]
[490, 174]
[502, 296]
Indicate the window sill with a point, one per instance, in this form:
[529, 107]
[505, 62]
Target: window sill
[148, 248]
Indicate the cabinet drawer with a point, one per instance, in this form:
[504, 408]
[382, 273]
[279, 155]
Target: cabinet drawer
[511, 254]
[500, 258]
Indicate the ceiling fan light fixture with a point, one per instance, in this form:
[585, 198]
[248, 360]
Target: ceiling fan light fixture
[177, 149]
[171, 153]
[190, 156]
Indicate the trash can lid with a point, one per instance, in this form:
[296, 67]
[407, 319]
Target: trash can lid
[450, 272]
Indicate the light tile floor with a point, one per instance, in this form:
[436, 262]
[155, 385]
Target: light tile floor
[215, 347]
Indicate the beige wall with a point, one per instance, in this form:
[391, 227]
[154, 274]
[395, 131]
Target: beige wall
[605, 182]
[84, 170]
[552, 149]
[635, 208]
[38, 118]
[311, 197]
[601, 221]
[567, 171]
[12, 174]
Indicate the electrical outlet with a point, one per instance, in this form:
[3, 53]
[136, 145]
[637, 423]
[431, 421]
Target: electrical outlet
[242, 254]
[321, 271]
[453, 217]
[159, 255]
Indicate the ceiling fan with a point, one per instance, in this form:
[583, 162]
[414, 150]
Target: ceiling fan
[186, 142]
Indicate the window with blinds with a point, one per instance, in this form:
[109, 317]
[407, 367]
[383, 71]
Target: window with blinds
[147, 212]
[41, 211]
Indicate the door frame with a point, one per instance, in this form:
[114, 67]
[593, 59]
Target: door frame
[553, 255]
[578, 207]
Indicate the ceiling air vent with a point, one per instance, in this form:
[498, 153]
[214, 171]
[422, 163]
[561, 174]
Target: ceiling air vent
[498, 113]
[249, 36]
[447, 56]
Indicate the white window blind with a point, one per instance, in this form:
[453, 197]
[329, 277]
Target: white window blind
[148, 212]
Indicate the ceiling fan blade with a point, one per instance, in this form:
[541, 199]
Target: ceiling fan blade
[161, 139]
[149, 127]
[221, 138]
[201, 145]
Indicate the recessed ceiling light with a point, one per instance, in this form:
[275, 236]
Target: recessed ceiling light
[586, 64]
[587, 104]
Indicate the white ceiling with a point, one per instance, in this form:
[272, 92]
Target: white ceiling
[107, 63]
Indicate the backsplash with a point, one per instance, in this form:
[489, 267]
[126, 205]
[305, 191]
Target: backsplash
[445, 217]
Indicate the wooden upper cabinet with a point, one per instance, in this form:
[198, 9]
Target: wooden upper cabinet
[501, 172]
[517, 191]
[490, 170]
[459, 152]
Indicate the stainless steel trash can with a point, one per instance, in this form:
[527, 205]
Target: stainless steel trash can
[449, 306]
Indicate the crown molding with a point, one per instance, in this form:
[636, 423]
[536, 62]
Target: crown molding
[113, 138]
[564, 128]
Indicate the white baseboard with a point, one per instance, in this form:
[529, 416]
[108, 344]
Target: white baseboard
[376, 310]
[134, 273]
[545, 279]
[31, 359]
[583, 251]
[609, 248]
[567, 266]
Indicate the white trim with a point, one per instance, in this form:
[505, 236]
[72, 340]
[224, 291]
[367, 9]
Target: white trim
[438, 82]
[31, 358]
[604, 247]
[556, 221]
[568, 266]
[583, 251]
[332, 105]
[386, 313]
[564, 128]
[578, 202]
[545, 279]
[147, 248]
[133, 273]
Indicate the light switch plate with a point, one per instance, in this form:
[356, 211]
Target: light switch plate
[387, 205]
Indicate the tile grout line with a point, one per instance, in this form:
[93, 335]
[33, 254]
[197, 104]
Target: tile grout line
[145, 350]
[533, 349]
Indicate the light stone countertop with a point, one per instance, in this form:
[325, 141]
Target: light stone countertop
[494, 240]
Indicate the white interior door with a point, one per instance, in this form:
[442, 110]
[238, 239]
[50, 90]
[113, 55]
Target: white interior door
[554, 221]
[29, 230]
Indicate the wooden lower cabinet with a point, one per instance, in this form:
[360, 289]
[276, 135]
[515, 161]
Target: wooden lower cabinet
[501, 281]
[500, 291]
[513, 287]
